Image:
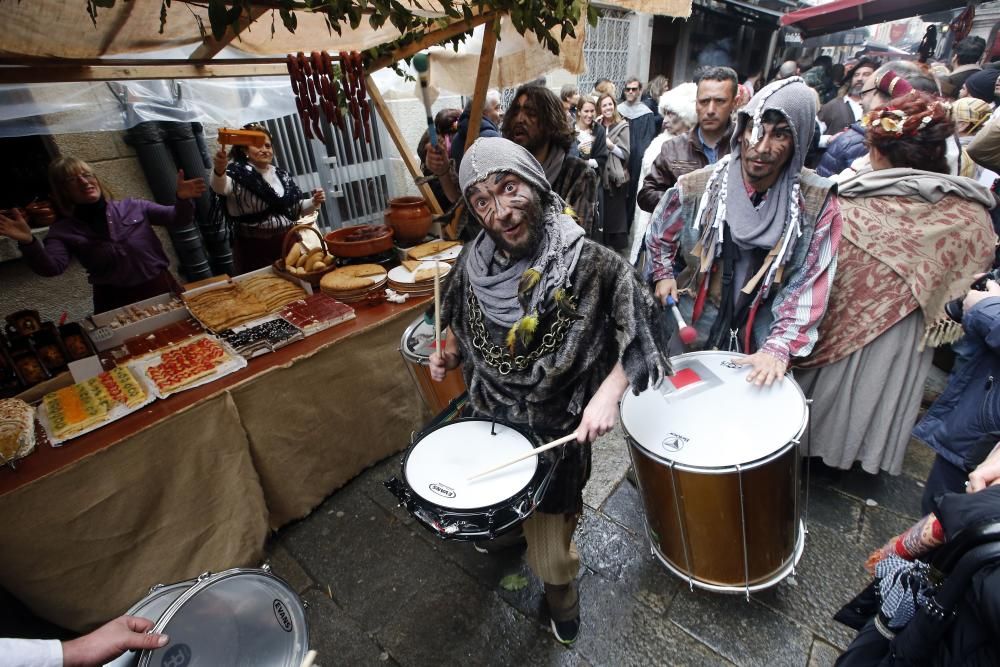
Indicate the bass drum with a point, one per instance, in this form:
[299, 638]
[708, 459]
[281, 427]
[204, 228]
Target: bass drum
[239, 617]
[416, 347]
[717, 463]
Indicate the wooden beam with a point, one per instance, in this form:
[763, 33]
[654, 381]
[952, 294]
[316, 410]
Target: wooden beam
[210, 48]
[217, 69]
[478, 102]
[409, 159]
[430, 39]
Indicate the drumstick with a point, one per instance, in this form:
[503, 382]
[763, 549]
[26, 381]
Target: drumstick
[309, 659]
[534, 452]
[687, 334]
[437, 308]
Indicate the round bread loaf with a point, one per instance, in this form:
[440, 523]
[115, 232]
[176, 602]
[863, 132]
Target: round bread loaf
[353, 277]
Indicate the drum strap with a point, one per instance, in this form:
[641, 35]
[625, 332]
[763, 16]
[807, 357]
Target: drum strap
[735, 305]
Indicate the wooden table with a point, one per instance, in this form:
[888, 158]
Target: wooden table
[195, 482]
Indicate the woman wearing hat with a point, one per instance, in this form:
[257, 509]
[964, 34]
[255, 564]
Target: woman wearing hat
[914, 236]
[256, 202]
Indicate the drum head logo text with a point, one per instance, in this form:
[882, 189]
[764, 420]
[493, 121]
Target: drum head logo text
[280, 613]
[674, 442]
[442, 490]
[178, 655]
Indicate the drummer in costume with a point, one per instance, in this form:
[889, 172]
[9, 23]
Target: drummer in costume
[760, 236]
[550, 329]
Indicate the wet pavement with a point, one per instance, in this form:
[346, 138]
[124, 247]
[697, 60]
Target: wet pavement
[381, 589]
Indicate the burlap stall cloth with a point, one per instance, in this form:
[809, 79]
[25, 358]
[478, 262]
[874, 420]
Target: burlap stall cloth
[83, 544]
[319, 422]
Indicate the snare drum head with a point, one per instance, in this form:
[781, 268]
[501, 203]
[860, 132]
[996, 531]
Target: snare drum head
[237, 617]
[439, 465]
[708, 416]
[417, 343]
[151, 607]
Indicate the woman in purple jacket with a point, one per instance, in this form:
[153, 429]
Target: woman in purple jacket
[113, 239]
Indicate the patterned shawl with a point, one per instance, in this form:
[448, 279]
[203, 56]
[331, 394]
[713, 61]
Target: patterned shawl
[899, 253]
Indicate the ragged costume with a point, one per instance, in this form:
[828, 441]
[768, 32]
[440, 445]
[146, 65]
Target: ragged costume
[538, 335]
[760, 272]
[912, 240]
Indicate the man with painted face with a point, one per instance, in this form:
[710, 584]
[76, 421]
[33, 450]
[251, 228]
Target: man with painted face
[760, 234]
[550, 329]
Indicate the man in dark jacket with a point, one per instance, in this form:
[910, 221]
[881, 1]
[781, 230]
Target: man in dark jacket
[959, 423]
[840, 112]
[704, 145]
[489, 126]
[965, 62]
[643, 125]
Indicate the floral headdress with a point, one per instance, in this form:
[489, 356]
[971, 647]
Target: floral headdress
[896, 121]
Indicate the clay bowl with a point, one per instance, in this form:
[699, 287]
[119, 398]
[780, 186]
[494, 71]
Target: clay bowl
[360, 241]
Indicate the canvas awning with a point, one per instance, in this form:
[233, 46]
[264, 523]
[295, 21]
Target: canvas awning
[33, 33]
[846, 14]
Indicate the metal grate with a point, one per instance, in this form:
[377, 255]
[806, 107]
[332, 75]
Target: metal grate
[352, 172]
[606, 50]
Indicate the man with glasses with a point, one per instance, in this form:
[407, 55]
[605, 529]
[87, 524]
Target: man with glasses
[643, 125]
[704, 144]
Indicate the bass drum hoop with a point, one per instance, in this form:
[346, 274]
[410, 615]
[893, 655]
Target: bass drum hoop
[405, 351]
[209, 579]
[787, 569]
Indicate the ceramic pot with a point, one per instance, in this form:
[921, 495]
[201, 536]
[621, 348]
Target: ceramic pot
[410, 219]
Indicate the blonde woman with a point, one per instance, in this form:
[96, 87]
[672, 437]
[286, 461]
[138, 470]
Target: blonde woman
[113, 239]
[615, 175]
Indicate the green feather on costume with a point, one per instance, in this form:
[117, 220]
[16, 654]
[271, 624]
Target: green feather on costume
[565, 304]
[523, 331]
[529, 279]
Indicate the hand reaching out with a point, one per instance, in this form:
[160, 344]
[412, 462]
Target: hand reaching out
[189, 188]
[14, 226]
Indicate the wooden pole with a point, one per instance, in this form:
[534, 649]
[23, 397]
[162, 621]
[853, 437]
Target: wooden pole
[409, 159]
[478, 101]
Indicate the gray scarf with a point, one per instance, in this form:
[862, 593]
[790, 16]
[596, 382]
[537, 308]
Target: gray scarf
[632, 111]
[929, 186]
[763, 228]
[560, 242]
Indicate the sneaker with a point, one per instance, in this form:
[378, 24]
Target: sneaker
[565, 631]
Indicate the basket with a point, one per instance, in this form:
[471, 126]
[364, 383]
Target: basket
[291, 237]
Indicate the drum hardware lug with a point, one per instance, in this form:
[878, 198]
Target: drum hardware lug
[266, 566]
[203, 576]
[155, 588]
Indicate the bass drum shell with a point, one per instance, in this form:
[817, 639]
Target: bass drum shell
[239, 617]
[416, 346]
[695, 520]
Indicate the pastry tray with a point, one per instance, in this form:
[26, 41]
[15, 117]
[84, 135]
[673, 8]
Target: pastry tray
[114, 414]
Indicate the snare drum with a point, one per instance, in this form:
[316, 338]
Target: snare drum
[717, 463]
[416, 347]
[434, 482]
[246, 617]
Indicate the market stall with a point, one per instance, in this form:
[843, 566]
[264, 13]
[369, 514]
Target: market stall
[174, 449]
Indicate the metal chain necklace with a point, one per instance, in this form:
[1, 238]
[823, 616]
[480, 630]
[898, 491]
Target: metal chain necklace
[498, 357]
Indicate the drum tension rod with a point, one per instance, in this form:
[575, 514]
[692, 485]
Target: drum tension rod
[493, 427]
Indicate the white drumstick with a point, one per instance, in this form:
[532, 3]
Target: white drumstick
[437, 308]
[309, 659]
[534, 452]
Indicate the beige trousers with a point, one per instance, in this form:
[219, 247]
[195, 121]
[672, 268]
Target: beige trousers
[552, 556]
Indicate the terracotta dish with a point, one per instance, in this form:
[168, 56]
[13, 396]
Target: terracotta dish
[360, 240]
